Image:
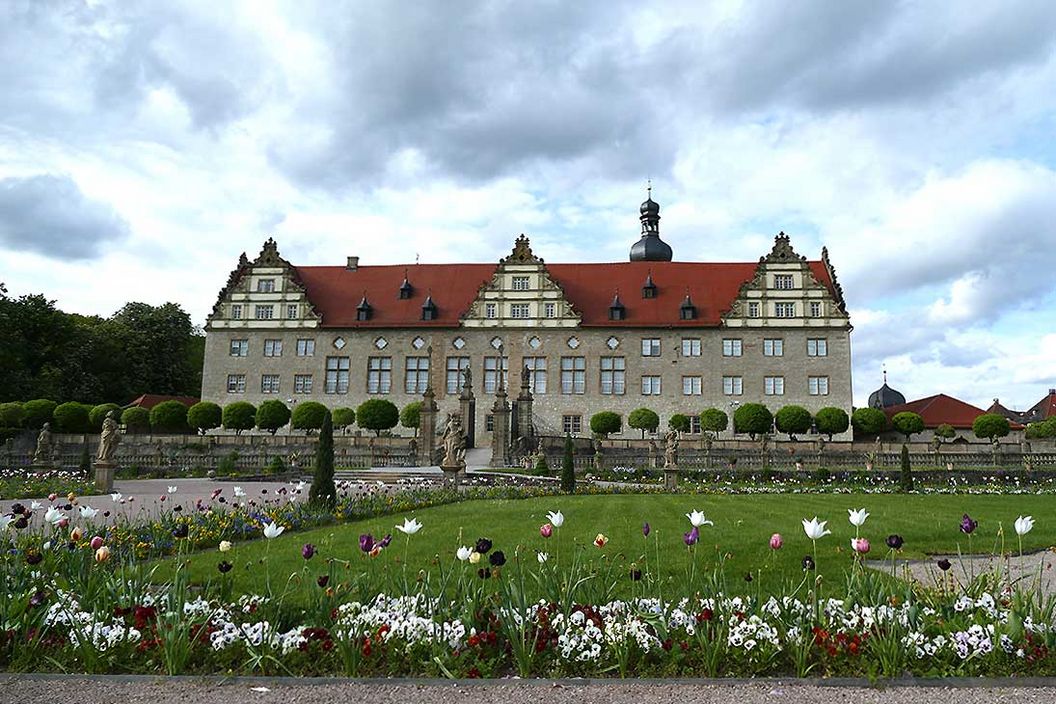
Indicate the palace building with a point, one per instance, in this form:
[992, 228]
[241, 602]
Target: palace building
[676, 337]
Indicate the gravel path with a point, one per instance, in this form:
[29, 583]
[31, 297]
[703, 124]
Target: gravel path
[1030, 571]
[183, 690]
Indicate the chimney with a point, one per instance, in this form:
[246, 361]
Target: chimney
[1052, 391]
[353, 263]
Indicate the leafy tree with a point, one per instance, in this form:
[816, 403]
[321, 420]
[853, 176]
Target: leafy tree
[323, 492]
[308, 416]
[793, 420]
[136, 419]
[272, 415]
[605, 422]
[377, 414]
[945, 432]
[72, 417]
[907, 423]
[239, 416]
[204, 416]
[161, 353]
[11, 414]
[869, 421]
[344, 417]
[1042, 429]
[831, 421]
[169, 417]
[990, 426]
[679, 422]
[37, 412]
[98, 414]
[411, 416]
[643, 419]
[714, 421]
[905, 475]
[752, 418]
[568, 467]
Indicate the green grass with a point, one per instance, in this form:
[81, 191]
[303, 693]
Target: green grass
[743, 525]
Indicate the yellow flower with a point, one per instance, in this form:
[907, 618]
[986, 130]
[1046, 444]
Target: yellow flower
[102, 554]
[474, 557]
[225, 545]
[600, 540]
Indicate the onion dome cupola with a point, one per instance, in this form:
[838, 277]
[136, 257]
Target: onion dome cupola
[364, 310]
[885, 396]
[406, 290]
[650, 248]
[617, 311]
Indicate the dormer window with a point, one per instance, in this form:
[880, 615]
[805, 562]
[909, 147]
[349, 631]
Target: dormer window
[406, 290]
[649, 289]
[429, 311]
[364, 310]
[617, 310]
[687, 311]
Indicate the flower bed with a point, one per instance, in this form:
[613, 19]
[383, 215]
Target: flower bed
[21, 484]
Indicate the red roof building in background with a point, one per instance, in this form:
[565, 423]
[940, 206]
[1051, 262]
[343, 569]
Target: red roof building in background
[1042, 410]
[941, 409]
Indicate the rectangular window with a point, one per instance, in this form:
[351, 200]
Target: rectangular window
[815, 309]
[292, 311]
[302, 383]
[272, 348]
[519, 311]
[774, 385]
[490, 310]
[573, 375]
[651, 385]
[265, 285]
[651, 347]
[236, 311]
[817, 347]
[489, 423]
[269, 383]
[753, 309]
[785, 309]
[818, 385]
[692, 385]
[774, 347]
[732, 385]
[306, 347]
[613, 375]
[690, 346]
[236, 383]
[520, 283]
[379, 375]
[416, 377]
[550, 310]
[337, 375]
[239, 348]
[731, 348]
[536, 374]
[492, 365]
[783, 281]
[263, 312]
[694, 422]
[571, 425]
[456, 367]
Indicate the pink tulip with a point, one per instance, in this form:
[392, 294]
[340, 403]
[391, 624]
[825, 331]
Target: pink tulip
[97, 542]
[776, 541]
[63, 523]
[546, 530]
[52, 497]
[860, 545]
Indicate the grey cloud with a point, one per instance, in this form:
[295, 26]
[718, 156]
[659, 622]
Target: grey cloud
[49, 215]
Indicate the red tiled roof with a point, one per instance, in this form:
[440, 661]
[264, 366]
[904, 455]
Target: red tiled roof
[939, 409]
[1043, 409]
[336, 291]
[148, 401]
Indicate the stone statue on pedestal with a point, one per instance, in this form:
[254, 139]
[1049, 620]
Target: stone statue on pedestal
[45, 452]
[671, 449]
[454, 442]
[108, 439]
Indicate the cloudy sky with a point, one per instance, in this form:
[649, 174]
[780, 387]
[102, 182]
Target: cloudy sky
[144, 146]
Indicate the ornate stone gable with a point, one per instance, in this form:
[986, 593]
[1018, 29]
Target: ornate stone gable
[266, 292]
[521, 293]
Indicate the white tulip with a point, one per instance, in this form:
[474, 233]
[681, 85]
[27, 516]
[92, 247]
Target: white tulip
[556, 518]
[172, 490]
[36, 506]
[697, 519]
[239, 491]
[54, 516]
[116, 496]
[814, 529]
[88, 512]
[463, 553]
[1024, 524]
[542, 557]
[857, 518]
[6, 521]
[410, 526]
[272, 531]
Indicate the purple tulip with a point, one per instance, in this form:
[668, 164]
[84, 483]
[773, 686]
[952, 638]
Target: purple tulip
[968, 526]
[895, 541]
[366, 542]
[646, 529]
[308, 551]
[944, 564]
[691, 537]
[384, 542]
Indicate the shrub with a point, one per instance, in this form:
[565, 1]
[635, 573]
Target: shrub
[542, 468]
[679, 423]
[227, 466]
[945, 432]
[831, 421]
[822, 475]
[869, 421]
[135, 419]
[377, 414]
[793, 420]
[605, 422]
[643, 419]
[1042, 429]
[905, 476]
[203, 416]
[272, 415]
[11, 415]
[276, 466]
[169, 417]
[343, 417]
[752, 418]
[308, 416]
[568, 467]
[907, 423]
[990, 426]
[72, 417]
[323, 492]
[37, 412]
[239, 416]
[411, 416]
[98, 414]
[713, 420]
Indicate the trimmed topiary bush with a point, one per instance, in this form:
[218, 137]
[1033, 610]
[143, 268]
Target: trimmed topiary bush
[272, 415]
[831, 421]
[308, 416]
[136, 419]
[679, 423]
[905, 475]
[411, 416]
[643, 419]
[377, 414]
[605, 422]
[11, 415]
[275, 466]
[907, 423]
[37, 412]
[945, 432]
[72, 417]
[542, 468]
[323, 492]
[714, 421]
[752, 418]
[203, 416]
[169, 417]
[343, 417]
[98, 414]
[568, 467]
[990, 426]
[793, 421]
[239, 416]
[868, 421]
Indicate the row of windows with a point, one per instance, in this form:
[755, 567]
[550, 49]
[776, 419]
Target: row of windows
[273, 348]
[519, 311]
[786, 309]
[265, 311]
[572, 423]
[774, 347]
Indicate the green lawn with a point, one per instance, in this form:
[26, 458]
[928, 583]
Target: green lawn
[743, 525]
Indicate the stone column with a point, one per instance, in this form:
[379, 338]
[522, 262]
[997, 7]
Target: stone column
[427, 429]
[467, 408]
[524, 410]
[500, 434]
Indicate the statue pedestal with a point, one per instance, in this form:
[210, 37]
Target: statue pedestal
[452, 474]
[104, 476]
[671, 478]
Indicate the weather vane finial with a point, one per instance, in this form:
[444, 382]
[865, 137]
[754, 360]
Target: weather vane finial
[649, 188]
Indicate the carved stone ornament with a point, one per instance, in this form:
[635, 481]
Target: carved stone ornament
[782, 251]
[522, 253]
